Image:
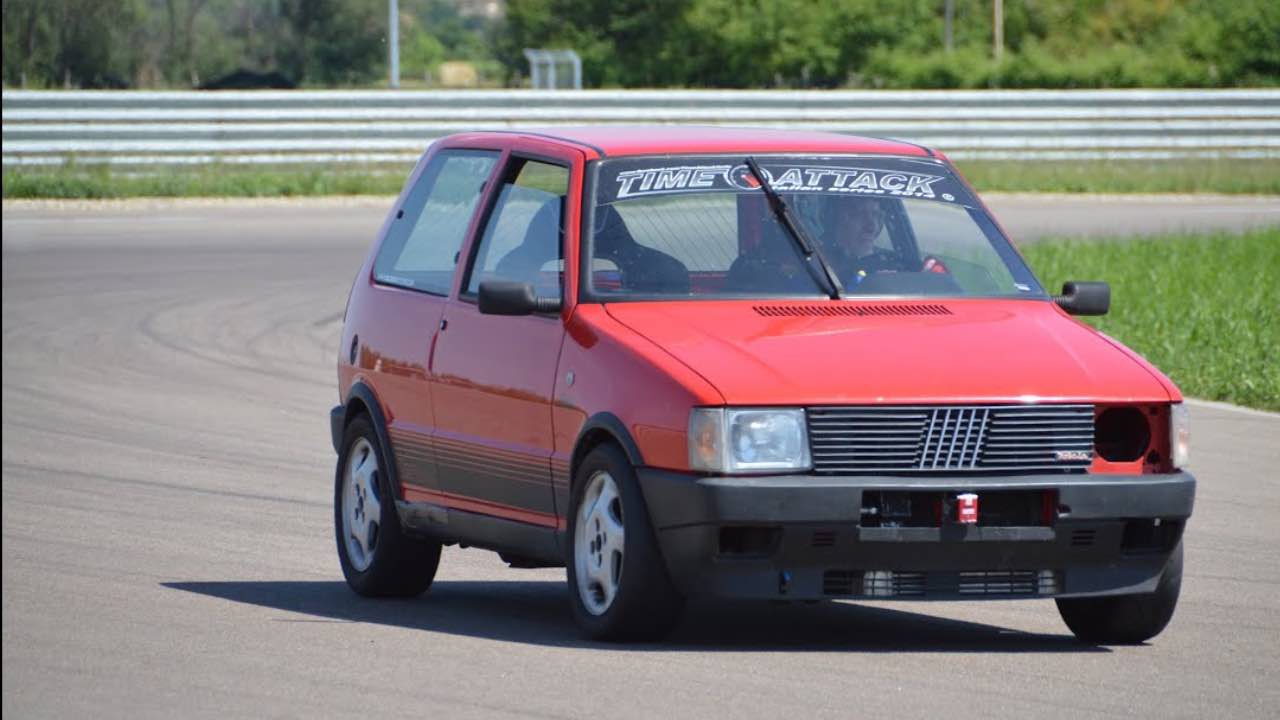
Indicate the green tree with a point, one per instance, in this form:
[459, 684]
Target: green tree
[627, 42]
[334, 42]
[652, 43]
[1247, 38]
[420, 52]
[72, 43]
[761, 43]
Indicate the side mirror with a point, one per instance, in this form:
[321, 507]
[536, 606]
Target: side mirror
[1085, 298]
[508, 297]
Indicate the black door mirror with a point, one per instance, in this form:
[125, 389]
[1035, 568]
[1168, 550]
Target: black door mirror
[1085, 298]
[508, 297]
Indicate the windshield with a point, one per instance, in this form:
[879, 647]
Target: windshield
[701, 227]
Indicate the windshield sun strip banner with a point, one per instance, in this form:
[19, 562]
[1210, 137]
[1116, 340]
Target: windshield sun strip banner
[624, 179]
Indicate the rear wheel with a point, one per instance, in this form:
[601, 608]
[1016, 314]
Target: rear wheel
[1126, 619]
[618, 583]
[378, 559]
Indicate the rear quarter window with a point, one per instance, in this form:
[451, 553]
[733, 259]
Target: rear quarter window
[421, 249]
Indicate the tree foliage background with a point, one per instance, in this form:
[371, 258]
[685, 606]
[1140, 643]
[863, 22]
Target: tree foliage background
[650, 43]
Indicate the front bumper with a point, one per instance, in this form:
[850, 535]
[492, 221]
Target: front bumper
[810, 542]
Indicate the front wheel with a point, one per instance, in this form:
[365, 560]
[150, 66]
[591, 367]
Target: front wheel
[618, 583]
[1126, 619]
[378, 558]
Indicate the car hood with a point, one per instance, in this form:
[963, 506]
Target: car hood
[895, 352]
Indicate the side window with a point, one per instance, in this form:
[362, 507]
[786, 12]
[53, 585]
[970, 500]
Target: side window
[522, 240]
[421, 249]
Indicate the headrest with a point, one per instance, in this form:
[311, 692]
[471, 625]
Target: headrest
[611, 234]
[545, 223]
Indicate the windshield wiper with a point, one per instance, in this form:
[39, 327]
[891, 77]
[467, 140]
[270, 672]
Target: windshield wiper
[789, 221]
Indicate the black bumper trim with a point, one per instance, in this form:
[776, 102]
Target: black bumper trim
[817, 519]
[679, 499]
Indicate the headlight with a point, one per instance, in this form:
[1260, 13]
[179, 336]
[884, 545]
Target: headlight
[1179, 434]
[756, 440]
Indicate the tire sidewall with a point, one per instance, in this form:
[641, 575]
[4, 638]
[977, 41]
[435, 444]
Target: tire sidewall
[644, 590]
[1156, 609]
[1127, 619]
[364, 581]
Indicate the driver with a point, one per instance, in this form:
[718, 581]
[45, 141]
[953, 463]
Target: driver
[849, 235]
[851, 226]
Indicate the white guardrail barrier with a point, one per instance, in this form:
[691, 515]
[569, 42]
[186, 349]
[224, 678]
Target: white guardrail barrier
[186, 127]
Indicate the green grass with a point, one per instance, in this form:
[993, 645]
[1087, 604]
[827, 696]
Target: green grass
[1205, 309]
[1102, 176]
[1210, 175]
[100, 182]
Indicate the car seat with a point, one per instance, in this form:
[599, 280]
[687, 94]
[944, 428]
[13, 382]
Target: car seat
[772, 266]
[643, 269]
[541, 245]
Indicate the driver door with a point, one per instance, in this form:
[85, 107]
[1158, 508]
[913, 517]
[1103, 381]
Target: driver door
[493, 376]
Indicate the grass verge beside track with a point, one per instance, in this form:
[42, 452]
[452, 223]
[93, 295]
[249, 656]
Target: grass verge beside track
[1205, 309]
[102, 182]
[227, 180]
[1209, 175]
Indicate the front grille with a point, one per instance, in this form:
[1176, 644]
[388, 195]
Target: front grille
[947, 439]
[893, 583]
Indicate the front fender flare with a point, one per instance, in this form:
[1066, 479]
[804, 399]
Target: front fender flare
[613, 426]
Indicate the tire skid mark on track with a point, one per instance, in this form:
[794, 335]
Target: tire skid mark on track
[156, 484]
[152, 330]
[104, 438]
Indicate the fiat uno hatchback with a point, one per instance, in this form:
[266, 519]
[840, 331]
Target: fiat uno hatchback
[743, 364]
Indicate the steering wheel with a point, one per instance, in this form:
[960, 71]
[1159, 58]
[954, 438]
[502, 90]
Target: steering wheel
[882, 260]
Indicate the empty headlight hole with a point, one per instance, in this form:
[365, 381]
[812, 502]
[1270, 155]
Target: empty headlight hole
[1121, 434]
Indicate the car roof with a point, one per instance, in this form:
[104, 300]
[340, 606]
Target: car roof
[615, 140]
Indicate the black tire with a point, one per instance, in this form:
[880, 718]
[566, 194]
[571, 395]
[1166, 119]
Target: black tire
[398, 565]
[1126, 619]
[646, 605]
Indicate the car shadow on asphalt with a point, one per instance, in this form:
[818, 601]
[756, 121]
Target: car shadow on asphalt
[537, 613]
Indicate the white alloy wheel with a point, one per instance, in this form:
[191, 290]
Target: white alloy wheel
[361, 508]
[599, 541]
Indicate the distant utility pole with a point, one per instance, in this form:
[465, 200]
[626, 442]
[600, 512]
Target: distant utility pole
[951, 14]
[393, 42]
[997, 39]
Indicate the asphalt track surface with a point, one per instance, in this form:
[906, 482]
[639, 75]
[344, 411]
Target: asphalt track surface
[168, 550]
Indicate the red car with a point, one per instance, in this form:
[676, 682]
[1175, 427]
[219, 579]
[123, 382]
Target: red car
[746, 364]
